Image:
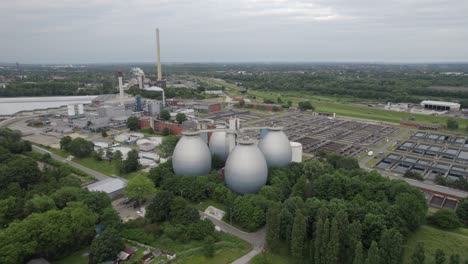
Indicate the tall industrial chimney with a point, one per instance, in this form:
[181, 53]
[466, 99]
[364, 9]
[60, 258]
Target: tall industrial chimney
[121, 91]
[140, 81]
[159, 55]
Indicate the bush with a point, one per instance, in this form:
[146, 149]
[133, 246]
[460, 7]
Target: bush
[446, 219]
[413, 175]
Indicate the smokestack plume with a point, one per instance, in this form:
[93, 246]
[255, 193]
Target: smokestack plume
[121, 91]
[159, 55]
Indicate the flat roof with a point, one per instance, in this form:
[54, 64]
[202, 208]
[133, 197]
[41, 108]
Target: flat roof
[439, 103]
[109, 185]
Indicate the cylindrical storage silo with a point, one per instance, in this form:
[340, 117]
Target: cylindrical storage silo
[191, 156]
[276, 148]
[246, 169]
[219, 145]
[296, 148]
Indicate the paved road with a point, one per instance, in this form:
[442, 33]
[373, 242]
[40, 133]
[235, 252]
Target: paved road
[99, 176]
[257, 239]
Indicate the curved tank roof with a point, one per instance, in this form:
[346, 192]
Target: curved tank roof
[218, 145]
[276, 148]
[191, 156]
[246, 169]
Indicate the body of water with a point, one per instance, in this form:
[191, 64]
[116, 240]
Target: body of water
[12, 105]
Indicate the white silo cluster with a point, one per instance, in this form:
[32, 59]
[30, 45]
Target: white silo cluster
[247, 163]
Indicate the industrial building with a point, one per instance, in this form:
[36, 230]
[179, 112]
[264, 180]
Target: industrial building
[114, 187]
[440, 105]
[207, 107]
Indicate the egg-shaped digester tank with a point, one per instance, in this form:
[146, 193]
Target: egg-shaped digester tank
[276, 148]
[218, 145]
[191, 155]
[246, 169]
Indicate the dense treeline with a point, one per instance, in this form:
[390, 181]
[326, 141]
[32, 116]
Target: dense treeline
[400, 88]
[53, 88]
[44, 212]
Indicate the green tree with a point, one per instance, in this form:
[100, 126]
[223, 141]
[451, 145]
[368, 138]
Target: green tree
[452, 124]
[140, 188]
[306, 105]
[168, 145]
[279, 100]
[97, 155]
[131, 163]
[333, 243]
[391, 246]
[273, 227]
[65, 143]
[109, 155]
[106, 246]
[133, 123]
[358, 254]
[419, 255]
[181, 117]
[319, 254]
[454, 259]
[104, 133]
[39, 204]
[440, 257]
[373, 254]
[159, 208]
[412, 208]
[286, 221]
[165, 115]
[298, 235]
[80, 147]
[462, 210]
[445, 218]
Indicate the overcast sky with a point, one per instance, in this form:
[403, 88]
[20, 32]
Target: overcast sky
[90, 31]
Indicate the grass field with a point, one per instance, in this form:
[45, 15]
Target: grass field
[229, 249]
[434, 239]
[342, 107]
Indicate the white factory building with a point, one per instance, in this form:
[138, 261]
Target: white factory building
[440, 105]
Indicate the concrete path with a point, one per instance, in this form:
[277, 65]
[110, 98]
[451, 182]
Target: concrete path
[257, 239]
[99, 176]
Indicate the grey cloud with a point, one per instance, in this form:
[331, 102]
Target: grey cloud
[223, 30]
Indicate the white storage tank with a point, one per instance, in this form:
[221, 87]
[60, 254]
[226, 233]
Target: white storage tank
[276, 148]
[296, 148]
[191, 155]
[246, 169]
[145, 144]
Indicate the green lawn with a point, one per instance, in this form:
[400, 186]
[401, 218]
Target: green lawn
[75, 258]
[435, 239]
[229, 249]
[104, 167]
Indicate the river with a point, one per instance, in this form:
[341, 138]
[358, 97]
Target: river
[12, 105]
